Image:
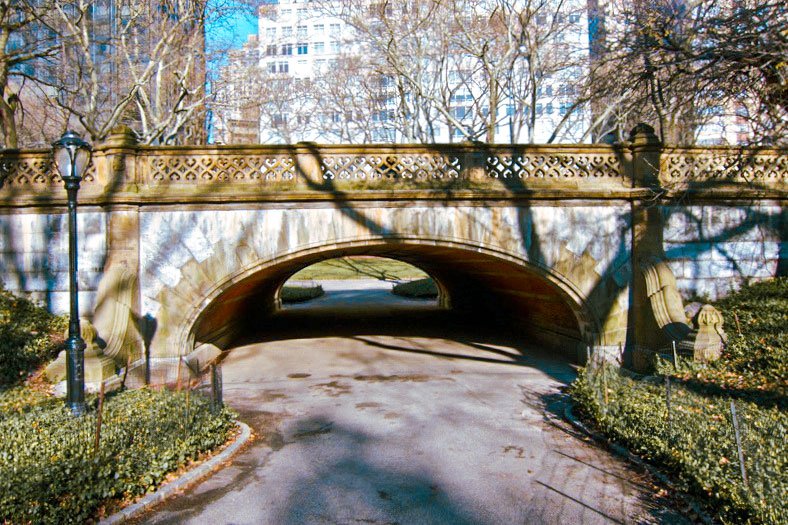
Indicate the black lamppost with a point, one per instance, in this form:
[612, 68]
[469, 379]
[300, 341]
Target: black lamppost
[72, 155]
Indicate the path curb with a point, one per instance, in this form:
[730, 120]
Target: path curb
[625, 453]
[184, 481]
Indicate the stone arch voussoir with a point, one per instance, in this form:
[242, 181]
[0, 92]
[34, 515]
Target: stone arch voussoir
[575, 276]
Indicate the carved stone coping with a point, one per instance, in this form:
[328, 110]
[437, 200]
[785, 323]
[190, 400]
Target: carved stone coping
[140, 174]
[322, 165]
[757, 167]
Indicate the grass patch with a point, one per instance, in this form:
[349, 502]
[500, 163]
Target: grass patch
[300, 294]
[359, 267]
[694, 438]
[417, 289]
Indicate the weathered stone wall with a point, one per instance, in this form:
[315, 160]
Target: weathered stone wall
[34, 256]
[564, 229]
[714, 248]
[189, 257]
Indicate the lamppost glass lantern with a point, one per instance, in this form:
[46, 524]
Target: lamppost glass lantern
[72, 155]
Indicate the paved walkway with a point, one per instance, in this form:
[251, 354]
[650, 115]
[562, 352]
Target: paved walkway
[410, 429]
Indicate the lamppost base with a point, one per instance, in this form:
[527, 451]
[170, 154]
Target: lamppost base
[75, 371]
[78, 409]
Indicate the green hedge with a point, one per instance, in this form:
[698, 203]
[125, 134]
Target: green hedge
[300, 294]
[29, 337]
[755, 361]
[49, 472]
[419, 289]
[697, 442]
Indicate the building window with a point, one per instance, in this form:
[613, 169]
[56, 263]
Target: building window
[318, 48]
[461, 97]
[549, 108]
[574, 19]
[287, 49]
[279, 119]
[286, 12]
[270, 50]
[301, 32]
[303, 48]
[336, 29]
[336, 47]
[383, 135]
[544, 91]
[319, 28]
[270, 33]
[320, 64]
[287, 31]
[459, 112]
[272, 67]
[284, 67]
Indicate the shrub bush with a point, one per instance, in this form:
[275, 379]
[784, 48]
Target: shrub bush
[49, 472]
[418, 289]
[696, 440]
[300, 294]
[29, 337]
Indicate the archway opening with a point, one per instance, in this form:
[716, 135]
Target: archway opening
[479, 291]
[360, 283]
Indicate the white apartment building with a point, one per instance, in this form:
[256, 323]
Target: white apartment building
[305, 76]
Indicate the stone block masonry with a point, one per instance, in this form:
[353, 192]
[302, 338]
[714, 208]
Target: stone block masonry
[549, 238]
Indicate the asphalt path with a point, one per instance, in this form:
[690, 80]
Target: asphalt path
[362, 416]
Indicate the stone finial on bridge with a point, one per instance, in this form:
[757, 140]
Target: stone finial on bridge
[646, 150]
[643, 135]
[121, 137]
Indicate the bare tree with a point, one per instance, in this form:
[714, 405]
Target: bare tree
[458, 63]
[135, 63]
[26, 40]
[683, 65]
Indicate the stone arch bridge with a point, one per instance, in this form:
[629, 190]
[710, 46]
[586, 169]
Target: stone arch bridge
[186, 245]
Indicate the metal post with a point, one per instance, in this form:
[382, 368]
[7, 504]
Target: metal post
[738, 443]
[216, 388]
[667, 401]
[75, 345]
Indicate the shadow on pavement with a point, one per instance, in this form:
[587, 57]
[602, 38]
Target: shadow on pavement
[377, 326]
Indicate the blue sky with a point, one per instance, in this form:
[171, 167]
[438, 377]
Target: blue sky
[232, 28]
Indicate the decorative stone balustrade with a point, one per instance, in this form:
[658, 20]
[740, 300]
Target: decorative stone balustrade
[123, 171]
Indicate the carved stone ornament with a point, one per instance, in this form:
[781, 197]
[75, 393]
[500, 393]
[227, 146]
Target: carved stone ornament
[706, 340]
[663, 294]
[98, 367]
[710, 337]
